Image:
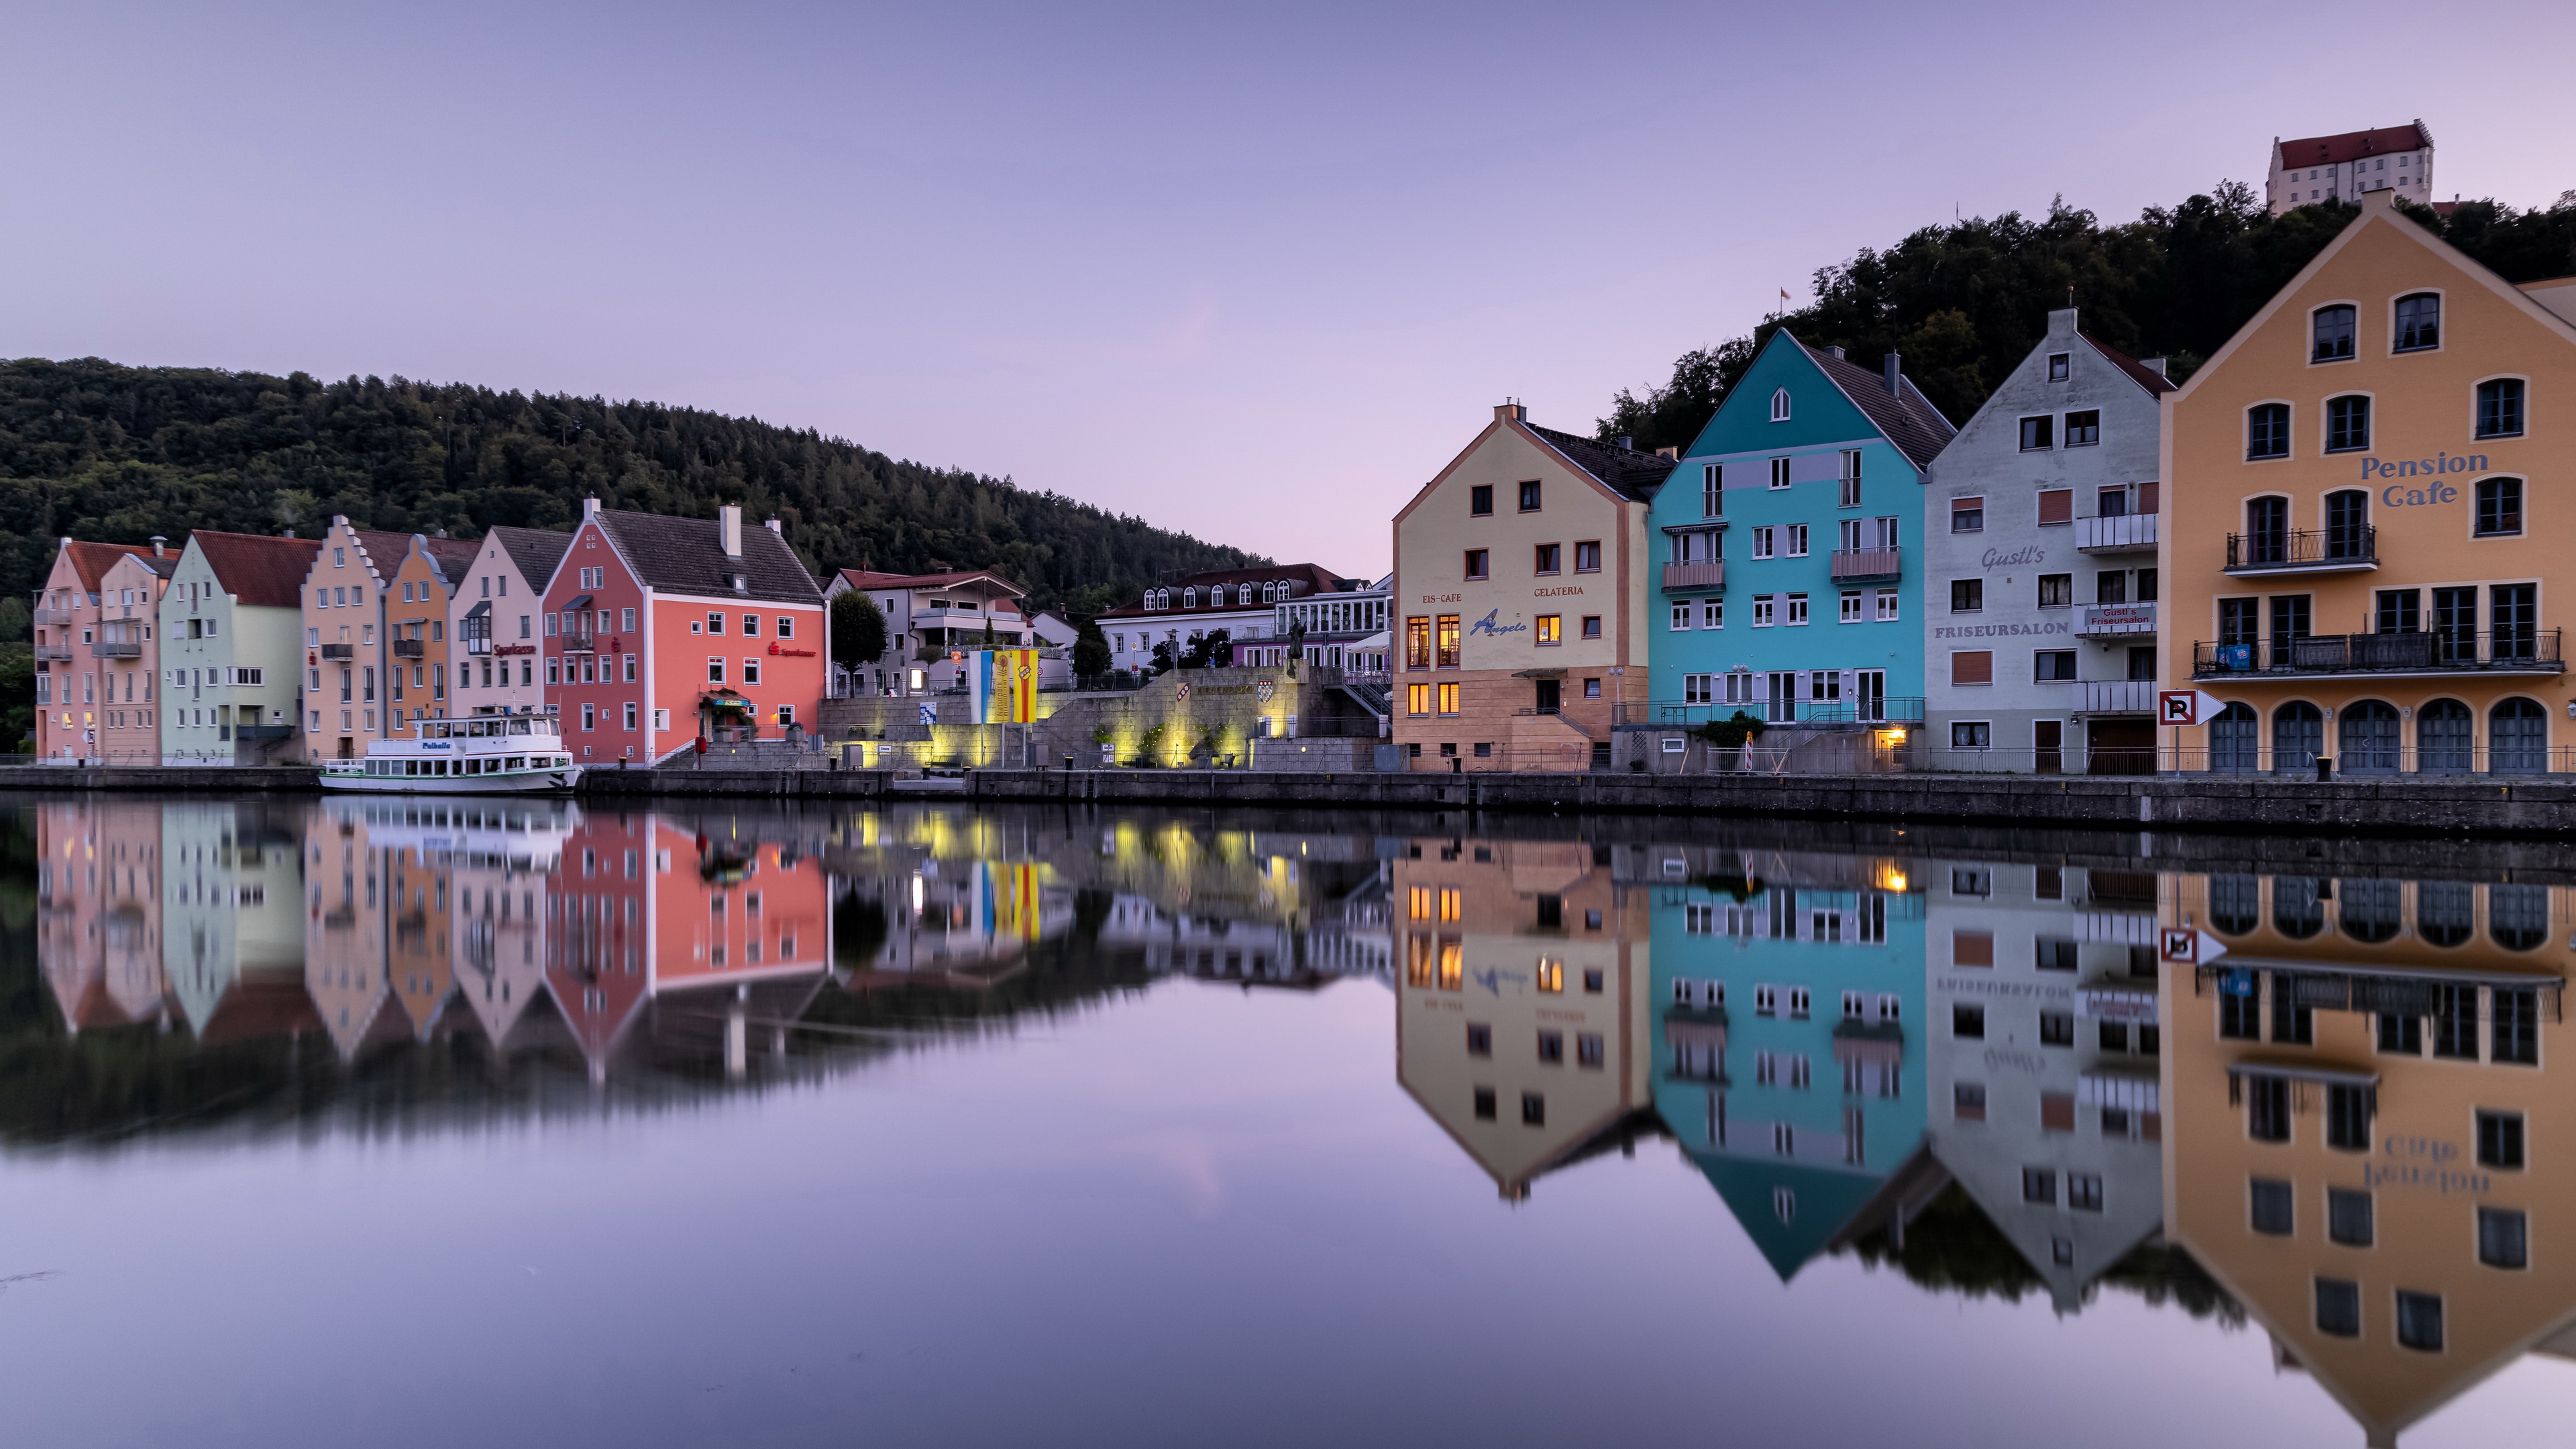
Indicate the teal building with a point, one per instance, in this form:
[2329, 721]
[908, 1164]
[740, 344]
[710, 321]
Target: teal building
[1788, 994]
[1790, 584]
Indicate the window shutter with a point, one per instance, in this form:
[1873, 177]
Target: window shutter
[1972, 948]
[1972, 666]
[2057, 505]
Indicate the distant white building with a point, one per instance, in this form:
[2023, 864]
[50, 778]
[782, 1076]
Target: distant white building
[2341, 168]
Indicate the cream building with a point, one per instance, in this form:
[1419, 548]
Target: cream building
[345, 657]
[1520, 595]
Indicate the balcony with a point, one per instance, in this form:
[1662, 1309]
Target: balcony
[407, 648]
[2364, 656]
[54, 651]
[122, 647]
[2116, 533]
[2305, 551]
[1704, 574]
[2116, 696]
[1822, 713]
[1855, 564]
[53, 618]
[2113, 621]
[341, 653]
[580, 644]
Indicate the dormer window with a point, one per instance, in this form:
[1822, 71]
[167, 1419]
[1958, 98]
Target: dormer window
[1189, 598]
[1780, 405]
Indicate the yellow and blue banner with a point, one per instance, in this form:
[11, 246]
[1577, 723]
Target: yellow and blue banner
[1002, 686]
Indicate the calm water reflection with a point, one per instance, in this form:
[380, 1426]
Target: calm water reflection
[928, 1125]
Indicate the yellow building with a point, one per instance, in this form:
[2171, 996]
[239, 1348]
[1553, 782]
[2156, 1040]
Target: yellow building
[2353, 561]
[1523, 1019]
[1520, 601]
[2361, 1135]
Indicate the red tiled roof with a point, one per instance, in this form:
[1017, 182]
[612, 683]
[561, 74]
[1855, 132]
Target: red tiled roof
[2353, 145]
[2156, 383]
[869, 579]
[91, 561]
[257, 569]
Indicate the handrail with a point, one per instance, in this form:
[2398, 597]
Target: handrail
[2307, 548]
[2436, 651]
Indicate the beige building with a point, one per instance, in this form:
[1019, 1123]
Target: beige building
[1520, 599]
[2363, 1143]
[2314, 169]
[1523, 1018]
[344, 656]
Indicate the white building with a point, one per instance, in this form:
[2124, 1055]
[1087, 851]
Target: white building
[928, 619]
[1245, 603]
[2341, 168]
[1346, 628]
[2039, 558]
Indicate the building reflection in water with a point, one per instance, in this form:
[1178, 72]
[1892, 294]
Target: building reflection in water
[2363, 1148]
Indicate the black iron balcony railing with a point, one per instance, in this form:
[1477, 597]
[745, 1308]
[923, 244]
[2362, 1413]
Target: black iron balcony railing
[407, 648]
[580, 644]
[342, 652]
[2315, 550]
[124, 647]
[2433, 651]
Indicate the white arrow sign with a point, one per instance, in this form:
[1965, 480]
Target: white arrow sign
[2184, 946]
[2186, 707]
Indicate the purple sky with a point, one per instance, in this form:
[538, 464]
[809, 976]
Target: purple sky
[1254, 277]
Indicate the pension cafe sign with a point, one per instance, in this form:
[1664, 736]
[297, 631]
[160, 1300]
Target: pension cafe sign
[2431, 491]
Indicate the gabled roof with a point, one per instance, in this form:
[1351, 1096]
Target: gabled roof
[91, 561]
[533, 551]
[2353, 145]
[382, 550]
[1906, 418]
[870, 579]
[1624, 471]
[257, 569]
[164, 566]
[2156, 383]
[686, 556]
[454, 556]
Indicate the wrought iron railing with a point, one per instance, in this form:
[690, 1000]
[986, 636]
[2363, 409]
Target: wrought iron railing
[2315, 548]
[1891, 709]
[2422, 651]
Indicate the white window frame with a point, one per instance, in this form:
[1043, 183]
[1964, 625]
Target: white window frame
[1849, 607]
[1887, 606]
[1779, 405]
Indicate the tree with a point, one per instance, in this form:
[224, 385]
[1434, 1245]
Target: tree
[1167, 655]
[1210, 650]
[858, 630]
[1090, 648]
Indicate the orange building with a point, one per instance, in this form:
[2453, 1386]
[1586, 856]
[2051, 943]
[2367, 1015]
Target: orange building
[418, 600]
[2359, 560]
[2362, 1139]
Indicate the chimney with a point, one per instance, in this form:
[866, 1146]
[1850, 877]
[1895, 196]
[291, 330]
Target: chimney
[729, 523]
[1835, 353]
[290, 533]
[2155, 365]
[1627, 444]
[442, 533]
[1894, 366]
[160, 546]
[773, 527]
[1510, 412]
[589, 509]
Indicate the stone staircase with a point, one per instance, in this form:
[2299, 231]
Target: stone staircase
[1378, 699]
[749, 755]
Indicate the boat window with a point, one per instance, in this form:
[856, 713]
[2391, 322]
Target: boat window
[518, 726]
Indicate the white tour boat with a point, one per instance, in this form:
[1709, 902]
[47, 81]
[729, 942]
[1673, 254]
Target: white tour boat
[495, 754]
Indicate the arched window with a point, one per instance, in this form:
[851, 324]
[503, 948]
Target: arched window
[2347, 424]
[2296, 911]
[2446, 911]
[2333, 334]
[2419, 322]
[2233, 740]
[2348, 524]
[1780, 405]
[2235, 903]
[2298, 737]
[2518, 738]
[2370, 910]
[2442, 729]
[2267, 532]
[2499, 512]
[2368, 738]
[2500, 408]
[2267, 431]
[1270, 593]
[1190, 597]
[2518, 916]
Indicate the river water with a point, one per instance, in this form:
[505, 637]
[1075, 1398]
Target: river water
[420, 1122]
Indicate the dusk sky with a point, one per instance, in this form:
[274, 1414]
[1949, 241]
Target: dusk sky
[1252, 275]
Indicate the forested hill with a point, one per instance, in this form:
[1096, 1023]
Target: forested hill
[96, 450]
[1966, 302]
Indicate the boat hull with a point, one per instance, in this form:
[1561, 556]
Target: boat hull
[559, 781]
